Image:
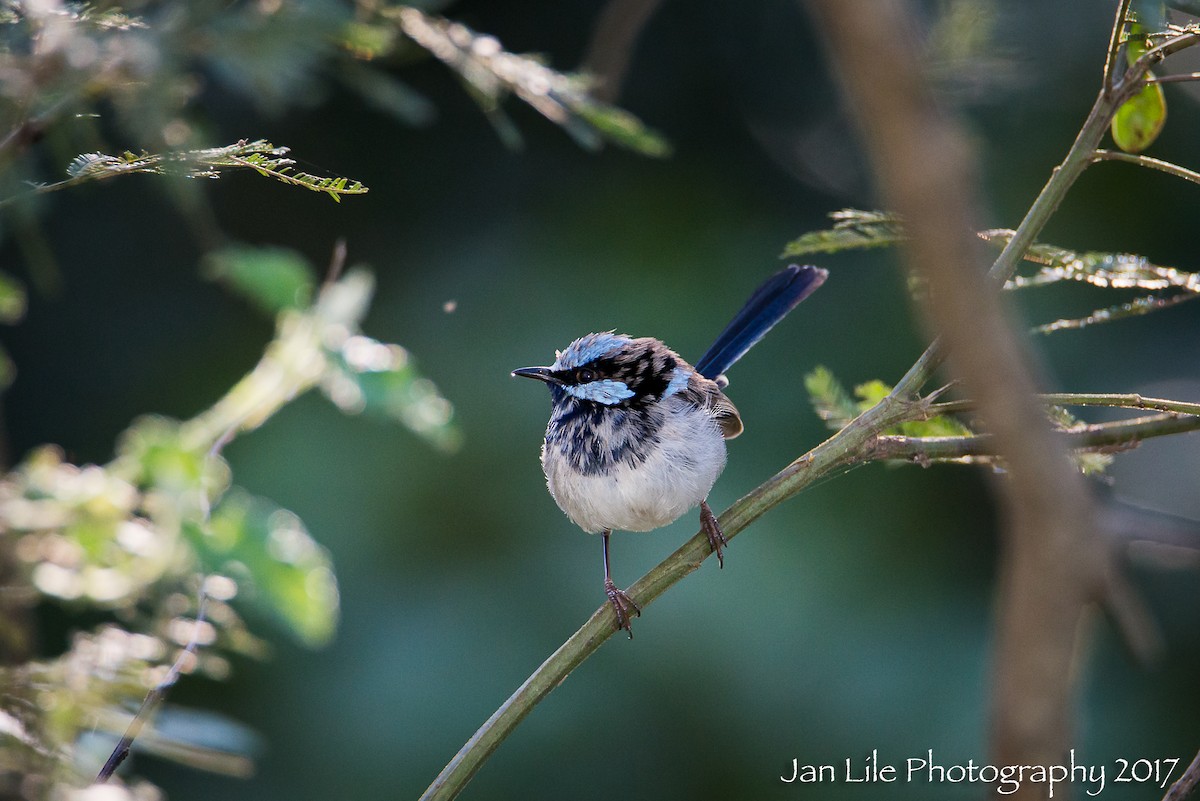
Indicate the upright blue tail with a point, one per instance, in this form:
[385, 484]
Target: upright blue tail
[769, 304]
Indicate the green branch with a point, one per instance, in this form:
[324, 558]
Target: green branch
[1124, 400]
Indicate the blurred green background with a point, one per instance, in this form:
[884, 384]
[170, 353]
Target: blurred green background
[855, 617]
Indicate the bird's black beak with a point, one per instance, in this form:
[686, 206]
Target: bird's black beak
[540, 373]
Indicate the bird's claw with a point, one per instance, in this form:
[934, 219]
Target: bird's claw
[712, 530]
[622, 604]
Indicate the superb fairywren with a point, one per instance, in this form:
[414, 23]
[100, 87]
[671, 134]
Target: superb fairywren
[637, 435]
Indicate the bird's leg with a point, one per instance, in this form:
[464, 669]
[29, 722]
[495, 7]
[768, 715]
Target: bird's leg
[622, 604]
[712, 529]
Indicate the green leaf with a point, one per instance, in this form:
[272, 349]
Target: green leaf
[1089, 462]
[829, 398]
[936, 426]
[260, 155]
[873, 392]
[275, 562]
[852, 229]
[624, 129]
[367, 40]
[378, 378]
[12, 299]
[273, 279]
[1140, 119]
[834, 406]
[151, 455]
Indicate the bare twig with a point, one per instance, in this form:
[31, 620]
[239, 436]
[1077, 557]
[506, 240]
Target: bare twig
[155, 696]
[1115, 400]
[1146, 161]
[1117, 435]
[1178, 77]
[1114, 46]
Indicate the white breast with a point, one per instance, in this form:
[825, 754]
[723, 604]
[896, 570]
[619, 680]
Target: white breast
[675, 477]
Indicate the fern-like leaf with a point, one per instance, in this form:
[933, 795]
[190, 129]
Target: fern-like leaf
[853, 229]
[259, 155]
[829, 398]
[1115, 270]
[492, 73]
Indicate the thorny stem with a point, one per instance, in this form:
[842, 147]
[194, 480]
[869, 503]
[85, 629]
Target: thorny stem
[853, 444]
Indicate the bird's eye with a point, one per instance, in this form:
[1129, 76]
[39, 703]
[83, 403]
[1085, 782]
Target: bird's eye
[585, 375]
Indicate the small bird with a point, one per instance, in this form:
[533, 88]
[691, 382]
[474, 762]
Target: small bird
[637, 435]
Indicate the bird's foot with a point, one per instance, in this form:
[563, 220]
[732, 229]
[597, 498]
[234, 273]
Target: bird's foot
[623, 605]
[712, 529]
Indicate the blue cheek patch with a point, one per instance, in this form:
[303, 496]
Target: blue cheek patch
[679, 381]
[608, 392]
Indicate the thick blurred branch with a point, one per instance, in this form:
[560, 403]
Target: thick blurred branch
[1053, 562]
[616, 33]
[1186, 784]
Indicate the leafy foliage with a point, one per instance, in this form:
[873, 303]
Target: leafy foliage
[97, 63]
[853, 229]
[829, 398]
[260, 155]
[142, 534]
[835, 406]
[1108, 270]
[492, 73]
[278, 564]
[274, 279]
[856, 229]
[266, 164]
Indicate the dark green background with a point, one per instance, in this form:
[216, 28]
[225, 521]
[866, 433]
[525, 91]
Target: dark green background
[855, 617]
